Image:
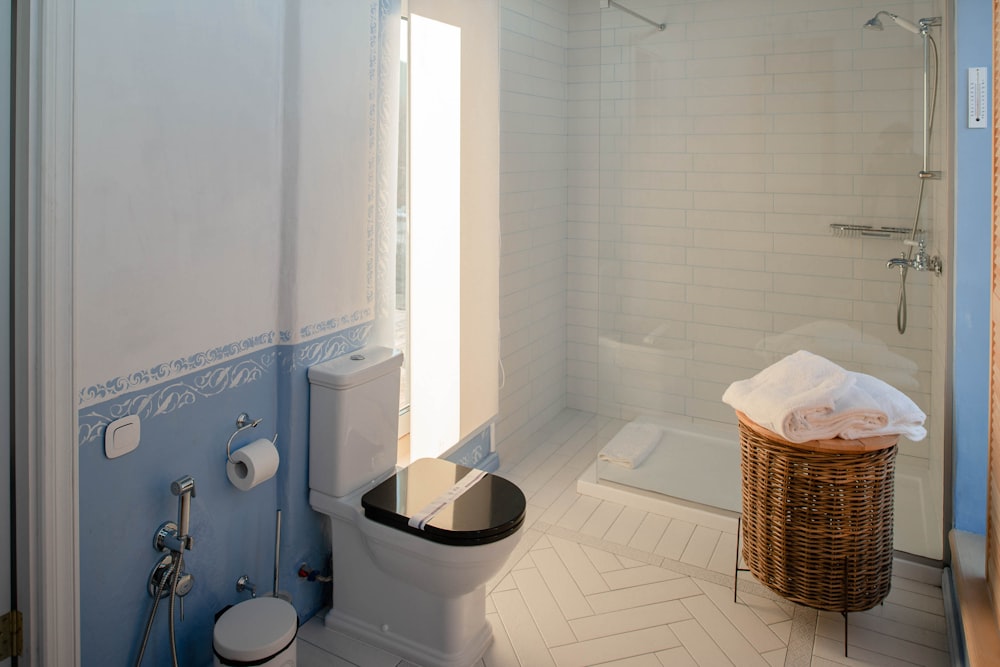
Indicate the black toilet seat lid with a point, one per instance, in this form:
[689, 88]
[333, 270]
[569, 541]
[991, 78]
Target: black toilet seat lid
[489, 511]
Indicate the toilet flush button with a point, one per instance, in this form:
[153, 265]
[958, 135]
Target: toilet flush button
[121, 436]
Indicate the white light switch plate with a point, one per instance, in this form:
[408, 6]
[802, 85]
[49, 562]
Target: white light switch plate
[121, 436]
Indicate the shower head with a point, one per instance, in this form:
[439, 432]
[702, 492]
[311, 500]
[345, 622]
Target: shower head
[874, 23]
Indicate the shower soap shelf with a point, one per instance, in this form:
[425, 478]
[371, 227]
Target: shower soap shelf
[840, 229]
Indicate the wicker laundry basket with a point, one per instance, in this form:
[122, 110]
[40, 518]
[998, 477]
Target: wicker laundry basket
[817, 517]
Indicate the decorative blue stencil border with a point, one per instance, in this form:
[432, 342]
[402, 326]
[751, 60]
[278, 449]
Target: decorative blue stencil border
[161, 372]
[175, 393]
[308, 351]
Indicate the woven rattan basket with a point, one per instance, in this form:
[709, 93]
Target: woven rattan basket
[817, 517]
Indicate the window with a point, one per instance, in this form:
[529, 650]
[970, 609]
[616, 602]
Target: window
[452, 208]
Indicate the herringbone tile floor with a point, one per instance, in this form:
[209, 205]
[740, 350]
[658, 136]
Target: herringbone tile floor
[601, 582]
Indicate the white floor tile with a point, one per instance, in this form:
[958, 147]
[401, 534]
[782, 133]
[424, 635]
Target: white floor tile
[675, 539]
[571, 601]
[616, 647]
[603, 561]
[699, 645]
[661, 591]
[639, 576]
[521, 629]
[725, 634]
[742, 617]
[701, 546]
[602, 519]
[544, 609]
[626, 620]
[580, 567]
[649, 533]
[501, 652]
[625, 526]
[598, 582]
[676, 657]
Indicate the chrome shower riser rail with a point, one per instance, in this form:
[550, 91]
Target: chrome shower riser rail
[925, 25]
[611, 3]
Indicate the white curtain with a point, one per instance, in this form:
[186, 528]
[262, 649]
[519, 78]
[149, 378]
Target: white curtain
[386, 147]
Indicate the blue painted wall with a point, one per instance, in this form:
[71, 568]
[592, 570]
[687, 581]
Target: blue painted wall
[186, 423]
[225, 222]
[973, 48]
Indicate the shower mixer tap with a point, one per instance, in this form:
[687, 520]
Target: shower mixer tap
[920, 262]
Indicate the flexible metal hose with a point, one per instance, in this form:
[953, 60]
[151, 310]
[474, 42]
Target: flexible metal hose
[173, 600]
[152, 612]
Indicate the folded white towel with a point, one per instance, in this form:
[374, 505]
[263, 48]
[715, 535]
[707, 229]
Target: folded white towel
[843, 404]
[631, 445]
[895, 413]
[788, 396]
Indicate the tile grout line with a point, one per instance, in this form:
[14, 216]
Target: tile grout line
[660, 561]
[802, 637]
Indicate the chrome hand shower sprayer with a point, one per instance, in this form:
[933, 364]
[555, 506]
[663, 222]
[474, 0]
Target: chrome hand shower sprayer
[906, 261]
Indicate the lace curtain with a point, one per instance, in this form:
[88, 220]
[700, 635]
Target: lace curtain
[386, 149]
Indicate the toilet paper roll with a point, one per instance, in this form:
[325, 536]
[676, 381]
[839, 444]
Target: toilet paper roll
[252, 464]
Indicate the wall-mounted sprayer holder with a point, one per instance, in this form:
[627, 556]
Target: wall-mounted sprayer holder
[173, 539]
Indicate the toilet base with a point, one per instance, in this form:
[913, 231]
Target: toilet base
[468, 654]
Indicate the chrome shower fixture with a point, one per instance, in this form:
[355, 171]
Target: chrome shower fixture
[918, 28]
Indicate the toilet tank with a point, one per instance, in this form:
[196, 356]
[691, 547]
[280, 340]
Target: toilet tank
[353, 419]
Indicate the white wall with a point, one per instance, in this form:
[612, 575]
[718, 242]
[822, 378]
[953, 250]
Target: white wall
[177, 180]
[223, 182]
[703, 168]
[533, 205]
[224, 223]
[729, 143]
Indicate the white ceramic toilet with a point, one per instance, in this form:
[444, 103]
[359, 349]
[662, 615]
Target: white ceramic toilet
[418, 593]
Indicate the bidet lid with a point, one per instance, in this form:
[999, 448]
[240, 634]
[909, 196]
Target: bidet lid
[488, 511]
[354, 368]
[255, 629]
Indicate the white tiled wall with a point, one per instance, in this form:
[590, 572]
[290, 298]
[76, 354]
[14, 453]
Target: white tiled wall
[533, 164]
[683, 183]
[699, 246]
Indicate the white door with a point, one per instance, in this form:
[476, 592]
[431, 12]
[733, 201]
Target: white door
[6, 534]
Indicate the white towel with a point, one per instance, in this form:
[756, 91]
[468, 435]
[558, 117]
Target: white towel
[842, 404]
[790, 395]
[631, 445]
[894, 411]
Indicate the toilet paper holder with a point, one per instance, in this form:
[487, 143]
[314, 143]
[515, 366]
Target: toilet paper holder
[243, 422]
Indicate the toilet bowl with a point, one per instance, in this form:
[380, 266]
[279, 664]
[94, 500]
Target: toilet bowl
[261, 631]
[414, 588]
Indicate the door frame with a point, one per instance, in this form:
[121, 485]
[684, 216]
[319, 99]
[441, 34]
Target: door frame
[46, 457]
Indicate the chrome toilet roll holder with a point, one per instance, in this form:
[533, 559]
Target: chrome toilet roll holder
[243, 422]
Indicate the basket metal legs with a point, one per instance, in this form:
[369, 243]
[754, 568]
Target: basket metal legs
[736, 565]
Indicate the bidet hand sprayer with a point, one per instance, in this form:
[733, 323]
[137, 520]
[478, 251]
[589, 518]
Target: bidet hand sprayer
[183, 488]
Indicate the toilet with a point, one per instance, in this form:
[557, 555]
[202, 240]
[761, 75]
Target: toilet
[406, 579]
[260, 631]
